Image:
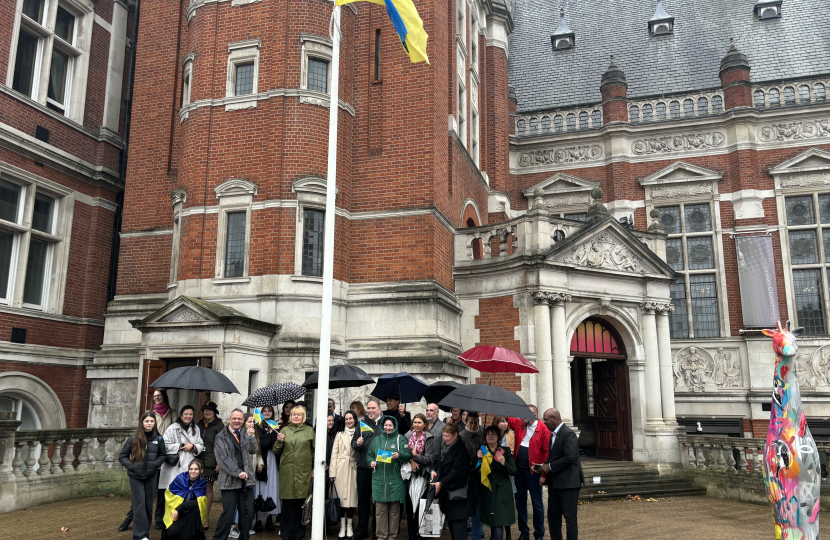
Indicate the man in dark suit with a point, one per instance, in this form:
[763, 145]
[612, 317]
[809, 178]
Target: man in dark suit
[564, 476]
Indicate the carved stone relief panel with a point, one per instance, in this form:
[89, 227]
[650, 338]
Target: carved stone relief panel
[605, 251]
[789, 131]
[563, 201]
[567, 154]
[805, 180]
[671, 191]
[678, 143]
[182, 314]
[693, 369]
[808, 377]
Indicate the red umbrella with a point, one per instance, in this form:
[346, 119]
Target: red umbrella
[489, 359]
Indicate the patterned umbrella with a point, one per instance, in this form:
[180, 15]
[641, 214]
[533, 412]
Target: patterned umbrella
[274, 395]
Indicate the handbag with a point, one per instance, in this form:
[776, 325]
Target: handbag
[269, 505]
[307, 509]
[262, 475]
[333, 506]
[458, 494]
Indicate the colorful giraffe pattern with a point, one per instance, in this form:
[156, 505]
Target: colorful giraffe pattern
[792, 473]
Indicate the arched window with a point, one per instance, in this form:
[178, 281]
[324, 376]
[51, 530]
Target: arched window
[674, 109]
[546, 123]
[758, 98]
[571, 119]
[702, 106]
[557, 122]
[774, 97]
[534, 125]
[583, 120]
[521, 125]
[717, 104]
[595, 338]
[634, 113]
[818, 90]
[596, 118]
[661, 111]
[804, 93]
[688, 107]
[647, 113]
[789, 95]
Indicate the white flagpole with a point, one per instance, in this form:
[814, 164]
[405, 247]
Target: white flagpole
[320, 479]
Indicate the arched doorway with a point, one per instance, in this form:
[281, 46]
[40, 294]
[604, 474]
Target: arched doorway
[600, 389]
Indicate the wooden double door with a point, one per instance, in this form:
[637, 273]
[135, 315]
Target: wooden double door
[612, 410]
[153, 369]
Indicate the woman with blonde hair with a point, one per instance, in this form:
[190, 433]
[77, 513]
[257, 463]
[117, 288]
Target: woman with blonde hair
[295, 447]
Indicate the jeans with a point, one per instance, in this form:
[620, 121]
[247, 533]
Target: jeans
[527, 481]
[235, 500]
[477, 531]
[142, 493]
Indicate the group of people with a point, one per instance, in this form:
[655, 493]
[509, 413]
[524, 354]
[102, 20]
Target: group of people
[480, 475]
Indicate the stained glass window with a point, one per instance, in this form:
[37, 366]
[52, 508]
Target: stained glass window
[698, 218]
[803, 247]
[704, 305]
[701, 253]
[670, 219]
[800, 210]
[674, 253]
[808, 300]
[678, 319]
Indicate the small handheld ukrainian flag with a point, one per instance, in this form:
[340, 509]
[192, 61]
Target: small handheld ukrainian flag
[257, 416]
[408, 25]
[364, 428]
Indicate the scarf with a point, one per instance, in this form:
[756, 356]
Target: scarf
[486, 461]
[416, 443]
[161, 408]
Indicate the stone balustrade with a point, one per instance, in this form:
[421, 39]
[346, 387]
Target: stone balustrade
[791, 93]
[43, 466]
[675, 107]
[559, 121]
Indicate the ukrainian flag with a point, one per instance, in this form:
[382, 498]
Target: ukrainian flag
[180, 491]
[408, 25]
[257, 416]
[364, 428]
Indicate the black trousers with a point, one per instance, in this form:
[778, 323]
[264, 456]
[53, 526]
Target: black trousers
[411, 518]
[291, 519]
[562, 502]
[142, 493]
[364, 504]
[458, 529]
[232, 500]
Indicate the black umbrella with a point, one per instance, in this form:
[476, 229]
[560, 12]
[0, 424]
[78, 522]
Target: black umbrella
[488, 399]
[274, 395]
[409, 388]
[195, 378]
[341, 377]
[438, 391]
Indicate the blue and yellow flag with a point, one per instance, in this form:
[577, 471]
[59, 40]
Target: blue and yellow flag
[485, 466]
[273, 425]
[364, 428]
[257, 416]
[179, 491]
[408, 25]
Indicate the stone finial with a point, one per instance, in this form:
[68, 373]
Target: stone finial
[597, 211]
[538, 202]
[734, 59]
[562, 38]
[656, 226]
[613, 76]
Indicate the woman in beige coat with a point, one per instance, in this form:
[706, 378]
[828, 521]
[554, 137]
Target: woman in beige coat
[343, 472]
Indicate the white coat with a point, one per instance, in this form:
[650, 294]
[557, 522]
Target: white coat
[174, 437]
[343, 468]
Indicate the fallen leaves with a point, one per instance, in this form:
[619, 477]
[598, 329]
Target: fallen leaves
[64, 529]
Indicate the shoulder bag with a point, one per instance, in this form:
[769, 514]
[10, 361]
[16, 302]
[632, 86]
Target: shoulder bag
[333, 505]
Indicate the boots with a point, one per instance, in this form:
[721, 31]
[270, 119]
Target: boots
[269, 524]
[349, 532]
[342, 532]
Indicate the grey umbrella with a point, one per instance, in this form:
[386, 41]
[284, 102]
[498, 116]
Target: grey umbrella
[195, 378]
[488, 399]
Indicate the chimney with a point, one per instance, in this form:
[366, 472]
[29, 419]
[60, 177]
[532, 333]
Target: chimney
[734, 78]
[614, 91]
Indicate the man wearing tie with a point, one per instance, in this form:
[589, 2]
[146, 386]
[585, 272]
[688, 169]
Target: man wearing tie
[564, 476]
[234, 447]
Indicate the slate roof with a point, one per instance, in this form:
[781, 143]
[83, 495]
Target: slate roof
[796, 45]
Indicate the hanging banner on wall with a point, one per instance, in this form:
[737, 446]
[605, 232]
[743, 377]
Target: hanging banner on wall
[759, 289]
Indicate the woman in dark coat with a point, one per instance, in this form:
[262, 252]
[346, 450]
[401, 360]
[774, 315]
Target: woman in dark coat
[142, 456]
[453, 474]
[209, 426]
[497, 504]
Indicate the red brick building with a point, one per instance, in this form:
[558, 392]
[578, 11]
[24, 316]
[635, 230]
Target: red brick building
[468, 210]
[65, 66]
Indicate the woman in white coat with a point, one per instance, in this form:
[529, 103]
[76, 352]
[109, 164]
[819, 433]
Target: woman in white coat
[343, 472]
[183, 437]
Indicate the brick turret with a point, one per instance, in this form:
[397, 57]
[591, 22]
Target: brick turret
[734, 77]
[614, 89]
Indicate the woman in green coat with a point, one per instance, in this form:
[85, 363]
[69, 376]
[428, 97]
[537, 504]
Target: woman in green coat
[387, 452]
[295, 443]
[497, 504]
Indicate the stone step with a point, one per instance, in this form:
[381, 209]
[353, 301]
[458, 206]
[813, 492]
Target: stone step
[655, 492]
[617, 478]
[637, 485]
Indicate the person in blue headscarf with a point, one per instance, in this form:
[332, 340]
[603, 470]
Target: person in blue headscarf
[186, 505]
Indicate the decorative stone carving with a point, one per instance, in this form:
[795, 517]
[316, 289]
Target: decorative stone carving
[540, 297]
[805, 180]
[657, 307]
[314, 100]
[681, 190]
[303, 363]
[803, 365]
[693, 369]
[605, 251]
[795, 130]
[576, 199]
[182, 314]
[727, 369]
[567, 154]
[678, 143]
[178, 196]
[821, 366]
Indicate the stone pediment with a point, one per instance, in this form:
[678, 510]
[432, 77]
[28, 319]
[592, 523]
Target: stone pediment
[681, 172]
[561, 183]
[812, 161]
[607, 245]
[188, 312]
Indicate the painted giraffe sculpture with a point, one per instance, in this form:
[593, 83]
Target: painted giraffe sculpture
[792, 473]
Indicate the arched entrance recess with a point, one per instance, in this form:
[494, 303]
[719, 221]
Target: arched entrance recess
[600, 390]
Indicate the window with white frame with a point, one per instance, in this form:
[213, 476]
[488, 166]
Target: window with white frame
[187, 82]
[29, 236]
[690, 251]
[315, 70]
[314, 220]
[808, 238]
[310, 226]
[48, 63]
[236, 225]
[234, 235]
[243, 68]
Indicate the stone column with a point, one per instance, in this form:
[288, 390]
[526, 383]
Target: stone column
[562, 399]
[654, 408]
[541, 326]
[666, 371]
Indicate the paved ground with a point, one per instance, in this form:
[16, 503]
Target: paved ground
[669, 519]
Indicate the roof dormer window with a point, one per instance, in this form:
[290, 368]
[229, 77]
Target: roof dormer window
[661, 23]
[563, 39]
[768, 9]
